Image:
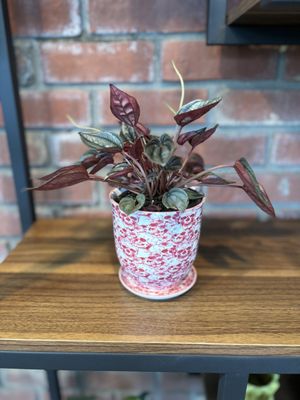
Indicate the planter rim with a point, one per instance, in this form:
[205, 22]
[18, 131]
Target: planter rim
[156, 212]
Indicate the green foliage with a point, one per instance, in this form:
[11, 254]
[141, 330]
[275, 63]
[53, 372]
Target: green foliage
[103, 140]
[176, 198]
[131, 204]
[127, 133]
[159, 149]
[150, 168]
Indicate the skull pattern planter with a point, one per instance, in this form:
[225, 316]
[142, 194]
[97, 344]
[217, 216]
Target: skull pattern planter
[156, 250]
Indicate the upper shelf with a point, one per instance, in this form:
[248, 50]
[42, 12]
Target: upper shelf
[264, 13]
[253, 22]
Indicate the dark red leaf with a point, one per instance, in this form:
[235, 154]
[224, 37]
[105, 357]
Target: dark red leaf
[142, 130]
[123, 106]
[135, 149]
[183, 118]
[102, 162]
[252, 187]
[89, 162]
[196, 137]
[187, 136]
[58, 172]
[64, 177]
[213, 179]
[195, 164]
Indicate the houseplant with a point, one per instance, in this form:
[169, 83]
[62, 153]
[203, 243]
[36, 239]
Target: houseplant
[157, 206]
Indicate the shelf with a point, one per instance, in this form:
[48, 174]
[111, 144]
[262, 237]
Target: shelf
[265, 13]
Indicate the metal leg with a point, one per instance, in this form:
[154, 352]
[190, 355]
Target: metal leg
[13, 120]
[232, 386]
[53, 385]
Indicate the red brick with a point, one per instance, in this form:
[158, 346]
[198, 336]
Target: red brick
[226, 195]
[4, 153]
[37, 149]
[286, 149]
[152, 16]
[248, 106]
[7, 190]
[196, 61]
[10, 224]
[49, 108]
[68, 148]
[282, 186]
[45, 18]
[17, 394]
[82, 193]
[152, 103]
[292, 63]
[98, 62]
[224, 149]
[279, 186]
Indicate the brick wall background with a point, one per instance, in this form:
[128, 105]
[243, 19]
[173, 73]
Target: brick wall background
[69, 50]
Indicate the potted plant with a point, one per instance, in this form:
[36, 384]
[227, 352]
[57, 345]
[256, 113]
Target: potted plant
[157, 205]
[262, 386]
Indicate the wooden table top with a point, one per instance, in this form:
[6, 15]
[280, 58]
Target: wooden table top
[59, 291]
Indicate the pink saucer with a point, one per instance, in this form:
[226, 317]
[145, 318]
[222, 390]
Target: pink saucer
[163, 294]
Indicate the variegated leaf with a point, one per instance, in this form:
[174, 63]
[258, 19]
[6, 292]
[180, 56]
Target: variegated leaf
[176, 198]
[252, 187]
[123, 106]
[194, 110]
[159, 149]
[130, 204]
[103, 140]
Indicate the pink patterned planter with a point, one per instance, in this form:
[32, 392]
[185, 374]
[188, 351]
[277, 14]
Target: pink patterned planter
[156, 250]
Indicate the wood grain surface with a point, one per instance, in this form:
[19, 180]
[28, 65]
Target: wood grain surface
[59, 291]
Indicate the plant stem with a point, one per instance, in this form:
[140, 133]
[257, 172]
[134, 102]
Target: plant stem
[203, 173]
[117, 183]
[141, 169]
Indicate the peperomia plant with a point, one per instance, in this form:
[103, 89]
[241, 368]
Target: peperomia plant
[149, 169]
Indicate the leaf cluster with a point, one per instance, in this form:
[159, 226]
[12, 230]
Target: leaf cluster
[148, 167]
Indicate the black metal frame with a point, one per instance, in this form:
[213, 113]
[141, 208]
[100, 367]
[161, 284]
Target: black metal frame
[233, 370]
[219, 33]
[10, 101]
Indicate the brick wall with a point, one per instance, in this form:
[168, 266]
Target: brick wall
[67, 52]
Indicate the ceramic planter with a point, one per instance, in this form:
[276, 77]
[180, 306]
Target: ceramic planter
[156, 250]
[265, 392]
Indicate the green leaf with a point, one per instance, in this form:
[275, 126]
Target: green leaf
[159, 149]
[174, 164]
[105, 139]
[128, 133]
[193, 194]
[130, 204]
[176, 199]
